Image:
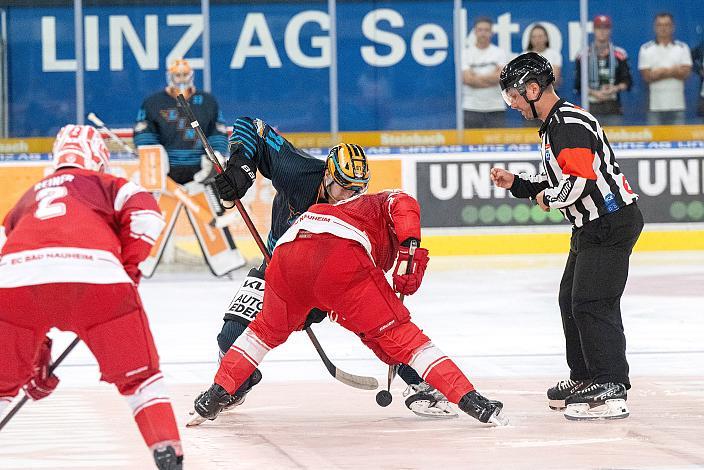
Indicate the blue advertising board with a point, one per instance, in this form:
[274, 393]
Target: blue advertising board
[396, 64]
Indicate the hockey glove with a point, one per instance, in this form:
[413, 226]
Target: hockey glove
[407, 283]
[240, 170]
[42, 383]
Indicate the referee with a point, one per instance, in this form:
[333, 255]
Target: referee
[582, 179]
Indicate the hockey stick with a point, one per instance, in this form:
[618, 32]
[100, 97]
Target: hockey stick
[172, 187]
[384, 399]
[356, 381]
[25, 398]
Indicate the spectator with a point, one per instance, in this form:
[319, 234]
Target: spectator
[538, 41]
[698, 61]
[608, 74]
[665, 64]
[481, 65]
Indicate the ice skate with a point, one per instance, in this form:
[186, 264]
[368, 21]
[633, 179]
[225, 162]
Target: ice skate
[237, 398]
[428, 402]
[483, 409]
[598, 401]
[564, 389]
[166, 459]
[208, 405]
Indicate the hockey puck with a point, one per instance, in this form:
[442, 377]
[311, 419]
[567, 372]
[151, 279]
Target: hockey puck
[384, 398]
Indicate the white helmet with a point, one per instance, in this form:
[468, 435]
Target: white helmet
[80, 147]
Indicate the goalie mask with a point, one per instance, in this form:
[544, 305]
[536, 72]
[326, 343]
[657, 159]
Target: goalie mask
[347, 166]
[179, 75]
[80, 147]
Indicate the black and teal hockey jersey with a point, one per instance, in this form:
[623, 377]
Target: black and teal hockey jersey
[160, 122]
[295, 174]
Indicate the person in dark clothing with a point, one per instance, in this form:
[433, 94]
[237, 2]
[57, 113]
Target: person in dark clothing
[583, 180]
[698, 68]
[609, 74]
[160, 122]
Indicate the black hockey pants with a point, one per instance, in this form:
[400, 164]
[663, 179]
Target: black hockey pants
[590, 295]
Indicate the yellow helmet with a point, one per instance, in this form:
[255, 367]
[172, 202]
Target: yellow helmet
[348, 167]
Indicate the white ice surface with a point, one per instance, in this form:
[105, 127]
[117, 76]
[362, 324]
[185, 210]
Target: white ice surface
[496, 316]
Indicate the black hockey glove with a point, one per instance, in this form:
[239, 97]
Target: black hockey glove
[314, 316]
[240, 170]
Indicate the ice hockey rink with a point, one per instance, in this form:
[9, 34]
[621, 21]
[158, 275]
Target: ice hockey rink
[496, 316]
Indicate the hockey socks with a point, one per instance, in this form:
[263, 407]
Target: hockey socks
[246, 353]
[441, 372]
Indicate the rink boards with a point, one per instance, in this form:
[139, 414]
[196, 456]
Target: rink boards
[463, 214]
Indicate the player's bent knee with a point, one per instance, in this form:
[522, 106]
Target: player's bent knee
[401, 341]
[144, 390]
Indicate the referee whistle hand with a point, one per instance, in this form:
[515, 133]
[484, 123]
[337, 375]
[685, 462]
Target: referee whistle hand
[502, 178]
[540, 200]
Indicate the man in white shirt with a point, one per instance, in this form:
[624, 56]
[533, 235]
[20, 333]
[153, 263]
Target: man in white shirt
[665, 64]
[481, 65]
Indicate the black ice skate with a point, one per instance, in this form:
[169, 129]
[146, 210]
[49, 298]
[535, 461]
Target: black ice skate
[237, 398]
[563, 389]
[166, 459]
[598, 401]
[208, 405]
[483, 409]
[428, 402]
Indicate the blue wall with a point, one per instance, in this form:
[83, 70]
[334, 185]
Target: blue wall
[287, 83]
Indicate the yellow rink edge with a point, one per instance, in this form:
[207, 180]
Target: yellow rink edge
[507, 244]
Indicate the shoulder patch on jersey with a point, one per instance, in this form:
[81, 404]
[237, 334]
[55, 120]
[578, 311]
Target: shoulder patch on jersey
[221, 127]
[140, 126]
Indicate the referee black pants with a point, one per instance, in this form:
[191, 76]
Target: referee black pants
[590, 296]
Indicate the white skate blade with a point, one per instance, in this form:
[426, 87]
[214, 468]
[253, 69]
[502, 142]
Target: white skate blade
[611, 409]
[498, 418]
[194, 419]
[444, 411]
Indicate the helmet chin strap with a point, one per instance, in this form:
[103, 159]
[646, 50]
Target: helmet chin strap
[532, 102]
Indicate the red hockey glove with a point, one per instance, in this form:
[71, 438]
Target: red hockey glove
[42, 383]
[407, 283]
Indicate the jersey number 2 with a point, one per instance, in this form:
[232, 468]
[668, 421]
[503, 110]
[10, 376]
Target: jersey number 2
[46, 207]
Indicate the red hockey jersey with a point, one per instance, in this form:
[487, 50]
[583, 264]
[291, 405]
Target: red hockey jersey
[377, 221]
[78, 225]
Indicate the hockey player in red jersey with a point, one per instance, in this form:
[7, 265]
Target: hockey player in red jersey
[70, 260]
[334, 258]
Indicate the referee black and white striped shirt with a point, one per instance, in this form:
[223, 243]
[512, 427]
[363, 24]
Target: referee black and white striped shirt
[581, 178]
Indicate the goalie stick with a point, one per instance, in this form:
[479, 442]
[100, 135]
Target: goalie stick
[25, 398]
[356, 381]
